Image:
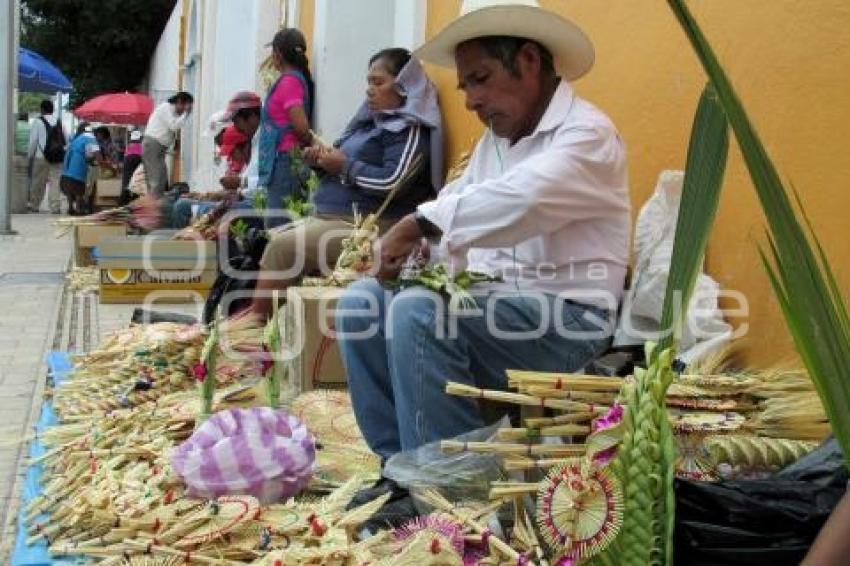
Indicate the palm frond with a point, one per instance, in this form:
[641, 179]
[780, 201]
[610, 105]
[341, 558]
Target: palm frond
[706, 164]
[802, 279]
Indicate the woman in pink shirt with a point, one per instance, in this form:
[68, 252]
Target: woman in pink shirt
[285, 122]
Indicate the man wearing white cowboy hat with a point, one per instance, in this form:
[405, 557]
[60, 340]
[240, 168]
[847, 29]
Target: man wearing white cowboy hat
[544, 203]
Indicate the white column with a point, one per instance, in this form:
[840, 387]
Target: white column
[8, 75]
[293, 13]
[345, 36]
[410, 19]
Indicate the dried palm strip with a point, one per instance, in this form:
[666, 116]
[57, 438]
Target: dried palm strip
[63, 548]
[519, 464]
[577, 417]
[458, 167]
[360, 515]
[553, 450]
[600, 397]
[502, 490]
[568, 381]
[462, 390]
[557, 430]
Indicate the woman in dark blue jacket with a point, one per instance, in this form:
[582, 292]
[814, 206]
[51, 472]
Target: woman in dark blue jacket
[394, 141]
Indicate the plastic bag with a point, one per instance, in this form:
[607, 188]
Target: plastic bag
[655, 232]
[771, 522]
[245, 259]
[259, 451]
[464, 475]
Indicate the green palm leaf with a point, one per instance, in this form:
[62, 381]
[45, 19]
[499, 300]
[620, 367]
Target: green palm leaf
[802, 279]
[646, 458]
[706, 164]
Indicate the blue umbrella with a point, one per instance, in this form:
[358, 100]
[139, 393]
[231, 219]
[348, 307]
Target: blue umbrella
[37, 74]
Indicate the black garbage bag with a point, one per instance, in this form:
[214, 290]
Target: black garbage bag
[144, 316]
[245, 258]
[772, 521]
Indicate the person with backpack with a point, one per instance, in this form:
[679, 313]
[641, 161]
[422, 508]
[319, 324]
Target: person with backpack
[46, 153]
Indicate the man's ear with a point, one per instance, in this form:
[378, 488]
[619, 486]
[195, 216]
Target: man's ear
[528, 60]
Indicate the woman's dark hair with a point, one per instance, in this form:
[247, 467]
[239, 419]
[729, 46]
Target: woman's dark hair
[395, 58]
[292, 48]
[81, 127]
[181, 96]
[103, 131]
[46, 106]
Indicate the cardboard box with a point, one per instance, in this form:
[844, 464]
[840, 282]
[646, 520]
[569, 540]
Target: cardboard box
[308, 335]
[88, 236]
[109, 187]
[134, 269]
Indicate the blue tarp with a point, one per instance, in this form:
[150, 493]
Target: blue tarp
[59, 364]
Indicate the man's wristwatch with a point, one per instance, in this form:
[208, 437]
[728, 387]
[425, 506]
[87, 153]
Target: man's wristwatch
[428, 228]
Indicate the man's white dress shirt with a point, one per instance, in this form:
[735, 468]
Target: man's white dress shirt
[164, 124]
[551, 212]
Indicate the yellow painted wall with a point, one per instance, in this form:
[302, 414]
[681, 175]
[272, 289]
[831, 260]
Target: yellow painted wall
[789, 60]
[307, 21]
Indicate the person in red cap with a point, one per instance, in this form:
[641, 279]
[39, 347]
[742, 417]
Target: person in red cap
[244, 111]
[234, 143]
[231, 146]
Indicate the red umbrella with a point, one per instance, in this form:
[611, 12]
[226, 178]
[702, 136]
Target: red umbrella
[119, 108]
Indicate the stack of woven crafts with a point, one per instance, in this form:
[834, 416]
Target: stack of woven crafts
[735, 425]
[606, 453]
[146, 362]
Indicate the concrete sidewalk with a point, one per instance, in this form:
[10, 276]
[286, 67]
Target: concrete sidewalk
[32, 279]
[39, 314]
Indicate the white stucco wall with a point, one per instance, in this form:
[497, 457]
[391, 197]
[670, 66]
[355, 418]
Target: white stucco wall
[163, 75]
[225, 45]
[232, 48]
[347, 34]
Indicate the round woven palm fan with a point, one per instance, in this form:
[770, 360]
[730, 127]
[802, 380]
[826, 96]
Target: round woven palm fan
[284, 519]
[579, 513]
[693, 460]
[438, 527]
[329, 416]
[343, 452]
[702, 422]
[220, 517]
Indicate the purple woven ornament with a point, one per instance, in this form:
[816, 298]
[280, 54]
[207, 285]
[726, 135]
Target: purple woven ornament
[261, 452]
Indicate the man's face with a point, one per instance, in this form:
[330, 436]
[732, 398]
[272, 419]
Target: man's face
[502, 100]
[247, 126]
[183, 107]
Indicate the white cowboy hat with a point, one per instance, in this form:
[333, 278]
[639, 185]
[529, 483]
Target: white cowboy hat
[571, 48]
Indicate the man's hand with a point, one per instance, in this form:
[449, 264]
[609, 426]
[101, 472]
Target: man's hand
[332, 160]
[392, 250]
[231, 182]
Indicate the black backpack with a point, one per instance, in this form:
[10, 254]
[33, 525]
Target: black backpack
[54, 149]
